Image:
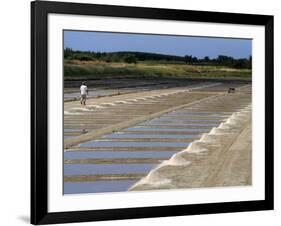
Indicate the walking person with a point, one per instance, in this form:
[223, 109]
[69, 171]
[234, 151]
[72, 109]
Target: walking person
[84, 93]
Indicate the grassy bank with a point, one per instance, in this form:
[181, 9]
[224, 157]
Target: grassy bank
[99, 69]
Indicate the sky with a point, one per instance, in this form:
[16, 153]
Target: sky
[164, 44]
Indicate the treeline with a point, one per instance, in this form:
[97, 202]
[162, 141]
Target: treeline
[134, 57]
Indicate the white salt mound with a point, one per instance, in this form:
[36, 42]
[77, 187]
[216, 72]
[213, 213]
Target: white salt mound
[156, 179]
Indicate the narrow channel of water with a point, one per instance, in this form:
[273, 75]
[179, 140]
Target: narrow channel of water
[132, 144]
[117, 154]
[140, 136]
[97, 186]
[89, 169]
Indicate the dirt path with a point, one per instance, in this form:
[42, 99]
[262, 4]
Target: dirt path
[236, 168]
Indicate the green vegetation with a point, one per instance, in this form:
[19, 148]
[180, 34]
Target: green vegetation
[95, 65]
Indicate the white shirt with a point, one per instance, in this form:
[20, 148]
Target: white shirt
[83, 89]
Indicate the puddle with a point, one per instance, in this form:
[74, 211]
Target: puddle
[117, 154]
[94, 169]
[97, 143]
[97, 186]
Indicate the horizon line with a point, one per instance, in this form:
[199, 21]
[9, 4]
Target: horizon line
[132, 51]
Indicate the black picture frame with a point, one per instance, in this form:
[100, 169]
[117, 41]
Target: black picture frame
[39, 112]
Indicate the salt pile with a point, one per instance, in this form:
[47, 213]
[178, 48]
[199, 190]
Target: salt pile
[158, 178]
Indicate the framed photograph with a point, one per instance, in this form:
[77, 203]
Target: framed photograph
[146, 112]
